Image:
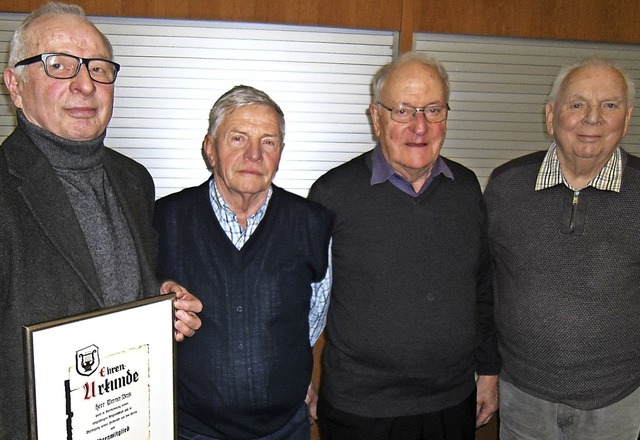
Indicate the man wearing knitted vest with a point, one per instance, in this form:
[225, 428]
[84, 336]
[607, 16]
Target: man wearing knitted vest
[410, 321]
[258, 257]
[566, 243]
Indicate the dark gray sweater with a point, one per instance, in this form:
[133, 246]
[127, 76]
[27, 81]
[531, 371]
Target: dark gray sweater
[567, 298]
[410, 319]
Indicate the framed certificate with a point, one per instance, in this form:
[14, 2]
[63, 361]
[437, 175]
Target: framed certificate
[103, 375]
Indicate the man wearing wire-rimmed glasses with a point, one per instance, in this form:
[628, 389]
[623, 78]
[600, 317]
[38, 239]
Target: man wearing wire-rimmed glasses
[410, 319]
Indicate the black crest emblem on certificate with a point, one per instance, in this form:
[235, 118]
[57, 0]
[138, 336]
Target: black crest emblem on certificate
[87, 360]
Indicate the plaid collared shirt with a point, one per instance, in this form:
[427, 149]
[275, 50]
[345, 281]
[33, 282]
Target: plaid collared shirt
[608, 179]
[229, 221]
[320, 292]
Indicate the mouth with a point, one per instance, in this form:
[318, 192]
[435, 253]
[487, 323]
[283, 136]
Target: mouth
[250, 172]
[588, 138]
[82, 112]
[416, 144]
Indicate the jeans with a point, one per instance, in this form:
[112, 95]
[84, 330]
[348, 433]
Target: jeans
[525, 417]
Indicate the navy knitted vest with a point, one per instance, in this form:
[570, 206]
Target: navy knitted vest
[247, 369]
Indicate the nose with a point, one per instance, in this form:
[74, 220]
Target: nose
[253, 152]
[419, 122]
[82, 81]
[593, 114]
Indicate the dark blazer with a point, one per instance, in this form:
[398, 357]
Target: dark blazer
[46, 270]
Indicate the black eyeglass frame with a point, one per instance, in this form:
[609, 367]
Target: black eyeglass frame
[417, 110]
[81, 61]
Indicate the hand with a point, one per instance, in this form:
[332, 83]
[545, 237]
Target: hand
[312, 402]
[186, 305]
[487, 399]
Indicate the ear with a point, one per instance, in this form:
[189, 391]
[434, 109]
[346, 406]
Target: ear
[12, 81]
[375, 118]
[208, 151]
[549, 109]
[627, 120]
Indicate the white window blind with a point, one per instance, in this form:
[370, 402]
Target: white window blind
[173, 71]
[499, 88]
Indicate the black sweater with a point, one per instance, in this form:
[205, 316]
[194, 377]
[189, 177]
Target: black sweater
[410, 319]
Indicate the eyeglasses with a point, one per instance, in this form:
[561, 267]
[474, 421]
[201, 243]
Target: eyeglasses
[65, 66]
[404, 113]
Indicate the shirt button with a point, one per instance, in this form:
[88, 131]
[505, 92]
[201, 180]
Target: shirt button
[239, 309]
[240, 346]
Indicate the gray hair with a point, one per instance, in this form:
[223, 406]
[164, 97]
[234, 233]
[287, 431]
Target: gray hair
[240, 96]
[385, 71]
[18, 45]
[565, 71]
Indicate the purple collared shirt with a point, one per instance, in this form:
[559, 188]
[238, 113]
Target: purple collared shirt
[382, 171]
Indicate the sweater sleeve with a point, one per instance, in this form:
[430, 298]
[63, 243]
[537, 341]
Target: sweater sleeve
[487, 356]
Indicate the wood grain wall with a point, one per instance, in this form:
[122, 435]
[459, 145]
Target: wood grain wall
[586, 20]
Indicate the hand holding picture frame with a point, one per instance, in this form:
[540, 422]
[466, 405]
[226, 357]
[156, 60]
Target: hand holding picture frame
[103, 375]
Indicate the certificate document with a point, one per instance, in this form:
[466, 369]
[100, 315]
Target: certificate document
[105, 375]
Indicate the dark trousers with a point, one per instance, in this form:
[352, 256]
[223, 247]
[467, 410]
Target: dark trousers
[298, 428]
[455, 423]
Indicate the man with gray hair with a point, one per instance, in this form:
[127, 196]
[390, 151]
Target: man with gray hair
[410, 322]
[563, 227]
[75, 216]
[258, 257]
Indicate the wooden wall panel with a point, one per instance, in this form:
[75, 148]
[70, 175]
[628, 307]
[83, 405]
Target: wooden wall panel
[362, 14]
[586, 20]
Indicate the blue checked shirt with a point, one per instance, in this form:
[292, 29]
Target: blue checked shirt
[320, 291]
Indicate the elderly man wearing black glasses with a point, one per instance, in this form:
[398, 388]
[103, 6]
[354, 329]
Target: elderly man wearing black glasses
[75, 216]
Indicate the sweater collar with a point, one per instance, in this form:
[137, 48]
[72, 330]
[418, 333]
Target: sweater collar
[383, 171]
[64, 153]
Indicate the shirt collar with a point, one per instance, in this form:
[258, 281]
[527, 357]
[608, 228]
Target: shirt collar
[225, 214]
[608, 179]
[382, 171]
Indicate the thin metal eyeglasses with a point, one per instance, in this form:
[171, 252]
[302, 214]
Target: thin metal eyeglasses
[66, 66]
[404, 113]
